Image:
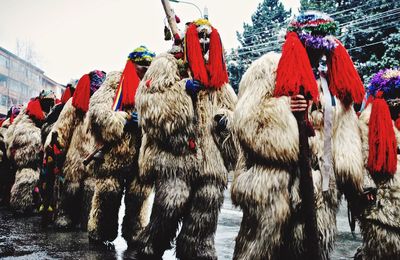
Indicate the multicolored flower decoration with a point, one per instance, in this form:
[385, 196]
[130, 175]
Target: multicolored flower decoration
[315, 30]
[142, 56]
[386, 81]
[97, 78]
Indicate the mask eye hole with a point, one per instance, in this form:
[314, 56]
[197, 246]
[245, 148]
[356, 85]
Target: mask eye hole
[202, 34]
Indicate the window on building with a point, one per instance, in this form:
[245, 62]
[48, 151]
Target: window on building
[3, 100]
[14, 86]
[4, 62]
[3, 81]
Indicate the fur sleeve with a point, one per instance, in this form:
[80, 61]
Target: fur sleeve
[65, 125]
[26, 143]
[226, 140]
[347, 149]
[264, 125]
[363, 125]
[106, 123]
[9, 134]
[165, 110]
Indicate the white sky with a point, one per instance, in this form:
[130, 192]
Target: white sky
[73, 37]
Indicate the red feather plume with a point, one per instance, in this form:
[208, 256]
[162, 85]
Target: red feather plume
[81, 97]
[294, 70]
[66, 95]
[382, 156]
[344, 81]
[195, 55]
[216, 64]
[34, 109]
[130, 82]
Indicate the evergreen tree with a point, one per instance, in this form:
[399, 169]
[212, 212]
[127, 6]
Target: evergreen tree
[391, 58]
[328, 6]
[235, 69]
[257, 38]
[368, 29]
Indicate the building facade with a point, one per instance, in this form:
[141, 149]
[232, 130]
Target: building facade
[20, 81]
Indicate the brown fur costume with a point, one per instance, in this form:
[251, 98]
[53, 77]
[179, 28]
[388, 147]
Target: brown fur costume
[189, 182]
[118, 171]
[380, 223]
[266, 183]
[72, 128]
[24, 149]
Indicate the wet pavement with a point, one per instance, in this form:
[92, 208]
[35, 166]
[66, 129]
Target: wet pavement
[23, 238]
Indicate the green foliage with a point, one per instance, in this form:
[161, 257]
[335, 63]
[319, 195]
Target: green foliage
[369, 29]
[257, 38]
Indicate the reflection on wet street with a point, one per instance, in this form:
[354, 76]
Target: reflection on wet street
[23, 238]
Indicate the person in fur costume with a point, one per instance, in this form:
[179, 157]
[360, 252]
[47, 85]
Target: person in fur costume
[52, 160]
[69, 142]
[379, 124]
[180, 153]
[7, 172]
[25, 151]
[266, 185]
[113, 120]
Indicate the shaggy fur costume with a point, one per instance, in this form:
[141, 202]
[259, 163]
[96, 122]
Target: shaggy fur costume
[266, 182]
[7, 174]
[380, 223]
[189, 181]
[118, 172]
[47, 176]
[50, 120]
[24, 149]
[73, 135]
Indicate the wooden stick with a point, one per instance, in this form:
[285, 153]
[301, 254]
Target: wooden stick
[307, 195]
[170, 17]
[90, 157]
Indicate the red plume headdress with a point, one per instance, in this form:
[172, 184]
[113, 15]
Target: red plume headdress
[208, 68]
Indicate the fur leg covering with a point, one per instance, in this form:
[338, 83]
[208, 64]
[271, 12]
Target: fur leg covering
[88, 192]
[196, 239]
[170, 202]
[326, 204]
[263, 195]
[70, 205]
[21, 192]
[136, 210]
[103, 218]
[380, 223]
[379, 242]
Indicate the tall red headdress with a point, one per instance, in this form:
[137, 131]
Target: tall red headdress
[66, 95]
[34, 110]
[212, 73]
[383, 89]
[344, 81]
[294, 70]
[81, 97]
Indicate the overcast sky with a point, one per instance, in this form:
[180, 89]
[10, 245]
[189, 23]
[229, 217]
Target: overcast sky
[73, 37]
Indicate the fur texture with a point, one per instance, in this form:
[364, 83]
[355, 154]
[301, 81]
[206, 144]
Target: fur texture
[73, 135]
[189, 183]
[21, 192]
[24, 145]
[118, 171]
[24, 150]
[266, 181]
[380, 223]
